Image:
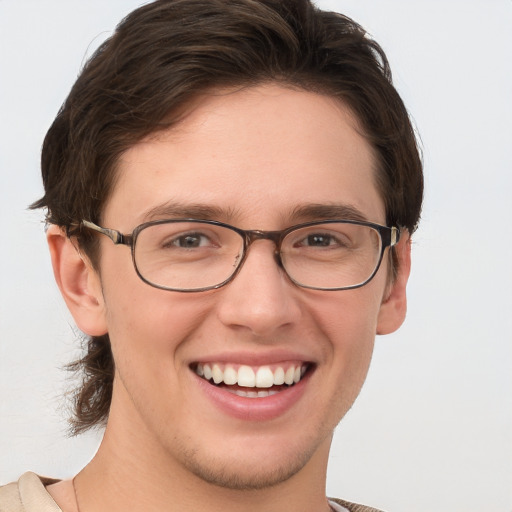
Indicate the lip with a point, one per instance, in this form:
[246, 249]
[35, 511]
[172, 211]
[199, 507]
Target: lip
[254, 359]
[254, 409]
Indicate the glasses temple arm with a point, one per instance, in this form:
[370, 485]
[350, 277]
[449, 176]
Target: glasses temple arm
[116, 236]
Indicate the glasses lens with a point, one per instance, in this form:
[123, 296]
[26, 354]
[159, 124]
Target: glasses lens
[187, 255]
[331, 255]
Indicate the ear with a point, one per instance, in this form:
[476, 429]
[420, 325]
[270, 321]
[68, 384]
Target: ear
[394, 304]
[78, 282]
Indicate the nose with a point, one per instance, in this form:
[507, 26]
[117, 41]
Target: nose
[261, 299]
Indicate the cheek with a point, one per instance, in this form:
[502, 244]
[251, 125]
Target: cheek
[147, 336]
[151, 323]
[146, 326]
[348, 323]
[348, 318]
[352, 348]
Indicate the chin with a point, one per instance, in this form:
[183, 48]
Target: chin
[244, 476]
[257, 468]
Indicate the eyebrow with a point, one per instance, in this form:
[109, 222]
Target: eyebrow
[174, 210]
[314, 211]
[301, 213]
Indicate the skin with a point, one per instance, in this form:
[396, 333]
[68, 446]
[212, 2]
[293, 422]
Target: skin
[256, 155]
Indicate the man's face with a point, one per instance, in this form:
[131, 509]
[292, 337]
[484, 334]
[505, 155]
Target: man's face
[254, 157]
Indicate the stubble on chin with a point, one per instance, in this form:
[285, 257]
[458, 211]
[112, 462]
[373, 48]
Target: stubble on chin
[242, 475]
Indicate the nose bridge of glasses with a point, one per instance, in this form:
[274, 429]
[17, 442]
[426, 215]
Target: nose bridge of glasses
[274, 236]
[256, 234]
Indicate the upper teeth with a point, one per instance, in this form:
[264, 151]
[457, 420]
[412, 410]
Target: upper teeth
[247, 377]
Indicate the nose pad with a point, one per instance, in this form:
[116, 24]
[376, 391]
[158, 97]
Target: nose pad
[278, 260]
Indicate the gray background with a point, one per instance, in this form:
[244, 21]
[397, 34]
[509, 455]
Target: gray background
[432, 430]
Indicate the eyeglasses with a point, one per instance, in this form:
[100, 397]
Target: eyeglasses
[188, 255]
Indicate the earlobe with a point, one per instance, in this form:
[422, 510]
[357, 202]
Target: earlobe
[394, 305]
[78, 282]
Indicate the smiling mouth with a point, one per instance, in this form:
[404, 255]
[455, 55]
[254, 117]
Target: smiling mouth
[252, 382]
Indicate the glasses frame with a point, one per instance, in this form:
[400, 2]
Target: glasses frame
[389, 236]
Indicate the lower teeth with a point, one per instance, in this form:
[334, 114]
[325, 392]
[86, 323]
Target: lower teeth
[252, 394]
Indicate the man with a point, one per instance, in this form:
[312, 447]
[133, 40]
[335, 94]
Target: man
[231, 188]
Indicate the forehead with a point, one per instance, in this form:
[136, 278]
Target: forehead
[255, 156]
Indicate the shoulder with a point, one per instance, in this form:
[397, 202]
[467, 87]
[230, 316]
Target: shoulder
[353, 507]
[10, 500]
[28, 494]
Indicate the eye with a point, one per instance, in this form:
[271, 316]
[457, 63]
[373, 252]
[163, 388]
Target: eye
[320, 240]
[189, 241]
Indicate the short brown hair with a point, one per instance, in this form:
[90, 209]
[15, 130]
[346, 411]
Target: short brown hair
[165, 54]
